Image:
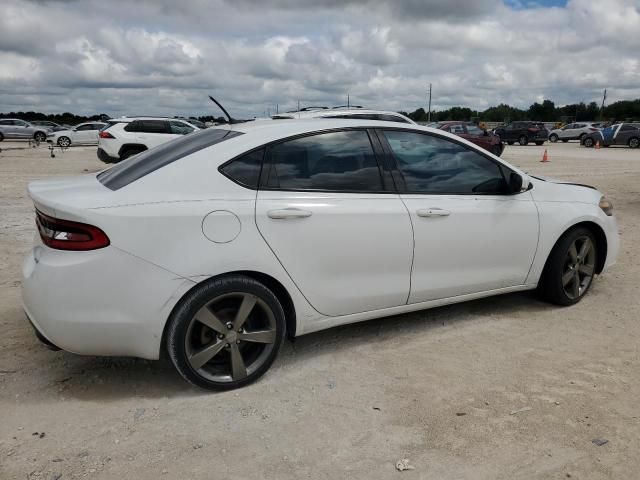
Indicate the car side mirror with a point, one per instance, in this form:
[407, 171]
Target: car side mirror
[518, 183]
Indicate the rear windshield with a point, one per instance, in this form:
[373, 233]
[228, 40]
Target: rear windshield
[148, 161]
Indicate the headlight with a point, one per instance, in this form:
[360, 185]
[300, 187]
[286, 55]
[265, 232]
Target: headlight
[606, 206]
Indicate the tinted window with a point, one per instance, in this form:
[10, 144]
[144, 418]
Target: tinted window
[627, 128]
[246, 169]
[432, 164]
[456, 128]
[148, 126]
[474, 130]
[337, 161]
[148, 161]
[88, 126]
[6, 122]
[180, 128]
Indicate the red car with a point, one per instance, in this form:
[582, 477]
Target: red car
[473, 133]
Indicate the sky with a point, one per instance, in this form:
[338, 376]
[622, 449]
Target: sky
[163, 57]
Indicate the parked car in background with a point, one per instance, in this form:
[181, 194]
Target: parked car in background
[127, 136]
[356, 113]
[573, 131]
[193, 121]
[523, 133]
[82, 134]
[14, 128]
[53, 126]
[472, 132]
[217, 245]
[618, 134]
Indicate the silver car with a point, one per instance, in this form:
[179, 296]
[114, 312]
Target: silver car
[16, 128]
[574, 131]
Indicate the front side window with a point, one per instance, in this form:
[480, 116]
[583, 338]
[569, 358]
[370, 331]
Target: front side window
[20, 123]
[431, 164]
[336, 161]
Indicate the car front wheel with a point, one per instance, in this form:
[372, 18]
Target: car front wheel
[523, 140]
[64, 141]
[226, 333]
[588, 142]
[570, 268]
[553, 138]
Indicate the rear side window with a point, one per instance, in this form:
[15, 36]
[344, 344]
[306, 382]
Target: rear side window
[144, 163]
[86, 126]
[148, 126]
[337, 161]
[245, 170]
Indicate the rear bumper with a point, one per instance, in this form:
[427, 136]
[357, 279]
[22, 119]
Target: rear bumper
[100, 302]
[105, 157]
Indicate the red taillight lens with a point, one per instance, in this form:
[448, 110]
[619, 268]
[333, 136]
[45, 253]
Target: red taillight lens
[593, 129]
[68, 235]
[533, 129]
[105, 134]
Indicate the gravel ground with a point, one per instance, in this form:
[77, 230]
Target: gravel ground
[501, 388]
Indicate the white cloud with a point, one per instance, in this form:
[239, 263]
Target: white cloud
[164, 57]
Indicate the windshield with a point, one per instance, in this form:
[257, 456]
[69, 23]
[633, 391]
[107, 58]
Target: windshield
[144, 163]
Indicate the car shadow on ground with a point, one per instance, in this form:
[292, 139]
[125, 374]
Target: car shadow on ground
[106, 378]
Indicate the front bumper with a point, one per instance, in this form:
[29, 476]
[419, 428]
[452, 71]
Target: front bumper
[100, 302]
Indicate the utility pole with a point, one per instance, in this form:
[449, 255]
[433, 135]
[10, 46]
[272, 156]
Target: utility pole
[429, 114]
[604, 97]
[348, 102]
[277, 109]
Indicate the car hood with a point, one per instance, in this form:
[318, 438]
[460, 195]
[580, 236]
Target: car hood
[553, 190]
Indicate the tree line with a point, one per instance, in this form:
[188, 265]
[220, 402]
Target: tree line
[624, 110]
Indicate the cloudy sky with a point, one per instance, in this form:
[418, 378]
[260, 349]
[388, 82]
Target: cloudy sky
[166, 56]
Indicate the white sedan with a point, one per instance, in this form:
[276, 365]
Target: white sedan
[81, 134]
[217, 245]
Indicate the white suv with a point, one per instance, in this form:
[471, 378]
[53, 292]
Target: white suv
[128, 136]
[355, 113]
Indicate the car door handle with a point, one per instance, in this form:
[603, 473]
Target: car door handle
[433, 212]
[286, 213]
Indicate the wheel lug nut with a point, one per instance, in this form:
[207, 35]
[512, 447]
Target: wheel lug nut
[227, 346]
[229, 326]
[221, 336]
[238, 342]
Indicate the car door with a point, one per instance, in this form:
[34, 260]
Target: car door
[22, 129]
[470, 234]
[7, 128]
[83, 133]
[335, 223]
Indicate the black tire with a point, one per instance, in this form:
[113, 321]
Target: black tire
[551, 287]
[565, 141]
[634, 142]
[581, 137]
[588, 142]
[510, 143]
[523, 140]
[553, 138]
[1, 137]
[130, 152]
[182, 333]
[539, 143]
[40, 137]
[64, 141]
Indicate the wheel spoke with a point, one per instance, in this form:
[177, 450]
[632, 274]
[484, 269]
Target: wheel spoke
[262, 336]
[238, 368]
[576, 285]
[197, 360]
[208, 318]
[573, 252]
[586, 270]
[567, 277]
[584, 250]
[248, 301]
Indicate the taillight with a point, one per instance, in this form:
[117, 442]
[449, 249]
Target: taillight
[593, 129]
[533, 129]
[105, 134]
[68, 235]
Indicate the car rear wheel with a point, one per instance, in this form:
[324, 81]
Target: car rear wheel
[509, 143]
[553, 138]
[1, 137]
[130, 152]
[539, 143]
[570, 268]
[634, 142]
[64, 141]
[226, 333]
[588, 142]
[523, 140]
[39, 137]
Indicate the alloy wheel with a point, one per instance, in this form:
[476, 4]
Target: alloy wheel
[523, 140]
[579, 267]
[553, 138]
[634, 143]
[230, 337]
[588, 142]
[64, 142]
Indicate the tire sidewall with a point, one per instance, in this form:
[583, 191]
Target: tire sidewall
[523, 140]
[588, 142]
[637, 142]
[553, 138]
[193, 301]
[60, 142]
[39, 137]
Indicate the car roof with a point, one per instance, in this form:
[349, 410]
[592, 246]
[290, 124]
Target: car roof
[336, 111]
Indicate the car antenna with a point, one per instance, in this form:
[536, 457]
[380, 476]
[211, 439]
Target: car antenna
[229, 119]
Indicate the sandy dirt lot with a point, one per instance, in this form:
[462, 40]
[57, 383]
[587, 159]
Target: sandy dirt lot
[502, 388]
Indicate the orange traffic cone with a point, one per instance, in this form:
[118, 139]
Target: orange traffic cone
[598, 145]
[545, 156]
